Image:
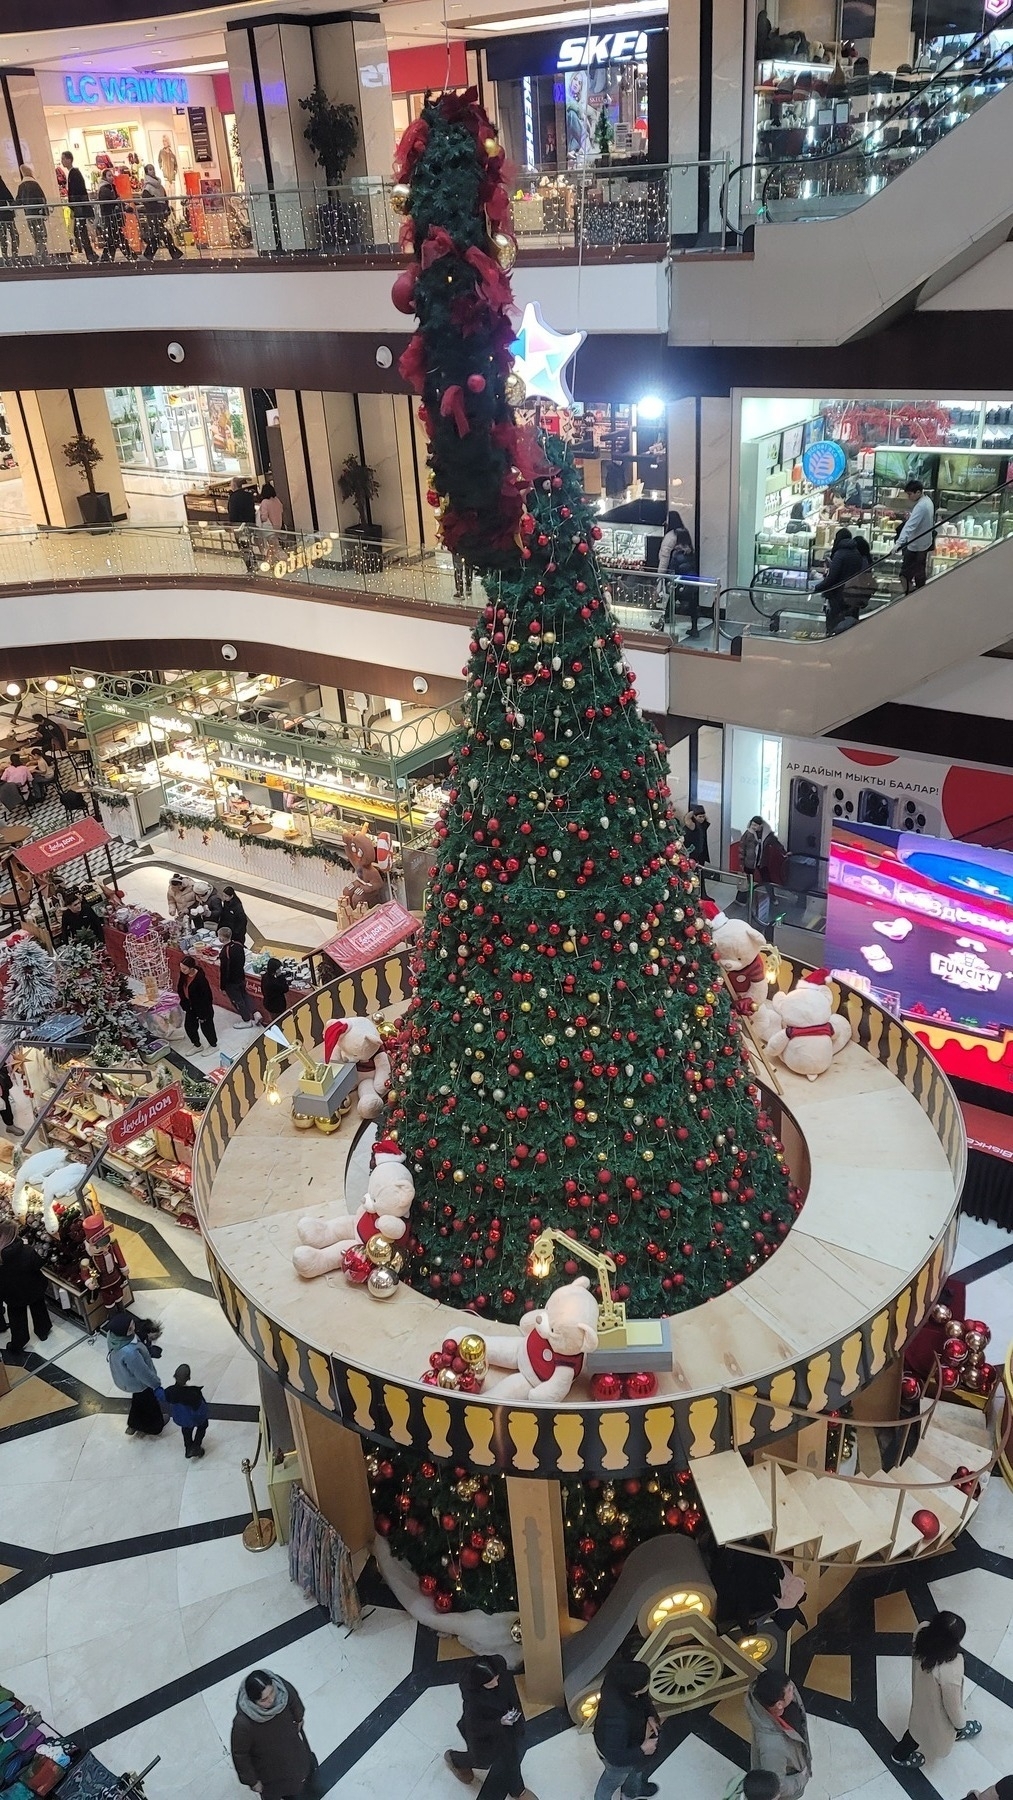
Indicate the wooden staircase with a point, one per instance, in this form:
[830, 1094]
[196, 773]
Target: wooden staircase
[852, 1518]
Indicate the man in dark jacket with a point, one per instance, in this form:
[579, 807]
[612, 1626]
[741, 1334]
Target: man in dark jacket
[232, 962]
[112, 215]
[492, 1726]
[233, 914]
[22, 1289]
[626, 1731]
[846, 561]
[32, 197]
[243, 519]
[80, 208]
[155, 215]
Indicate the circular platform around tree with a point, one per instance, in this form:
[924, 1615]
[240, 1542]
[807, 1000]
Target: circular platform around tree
[849, 1286]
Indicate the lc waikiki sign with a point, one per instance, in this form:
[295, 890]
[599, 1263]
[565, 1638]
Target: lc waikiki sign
[126, 90]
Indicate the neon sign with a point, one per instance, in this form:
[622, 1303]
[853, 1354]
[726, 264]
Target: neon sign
[126, 90]
[605, 47]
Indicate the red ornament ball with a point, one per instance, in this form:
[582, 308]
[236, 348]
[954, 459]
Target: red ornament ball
[925, 1522]
[427, 1584]
[443, 1601]
[606, 1387]
[640, 1386]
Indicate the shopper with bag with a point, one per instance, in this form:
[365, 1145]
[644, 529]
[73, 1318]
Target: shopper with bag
[269, 1749]
[134, 1373]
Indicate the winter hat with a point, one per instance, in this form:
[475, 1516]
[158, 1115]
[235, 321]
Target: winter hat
[387, 1150]
[818, 977]
[713, 915]
[334, 1031]
[120, 1324]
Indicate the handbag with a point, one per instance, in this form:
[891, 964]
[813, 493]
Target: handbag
[43, 1775]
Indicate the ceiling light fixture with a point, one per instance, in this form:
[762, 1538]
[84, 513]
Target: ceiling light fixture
[635, 10]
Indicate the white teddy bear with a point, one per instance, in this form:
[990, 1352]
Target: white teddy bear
[384, 1212]
[358, 1041]
[739, 948]
[57, 1178]
[549, 1354]
[810, 1034]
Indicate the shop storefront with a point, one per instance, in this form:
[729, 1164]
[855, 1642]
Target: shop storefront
[121, 120]
[808, 467]
[247, 774]
[180, 430]
[570, 99]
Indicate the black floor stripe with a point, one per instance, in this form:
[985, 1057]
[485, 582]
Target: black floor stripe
[185, 1687]
[999, 1259]
[38, 1564]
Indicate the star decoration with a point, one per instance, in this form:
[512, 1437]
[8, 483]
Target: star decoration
[541, 354]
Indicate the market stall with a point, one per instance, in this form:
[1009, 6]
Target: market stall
[149, 949]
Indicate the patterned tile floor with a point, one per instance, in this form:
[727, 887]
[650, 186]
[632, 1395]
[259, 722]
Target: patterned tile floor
[129, 1608]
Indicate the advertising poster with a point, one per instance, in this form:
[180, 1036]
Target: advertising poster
[925, 925]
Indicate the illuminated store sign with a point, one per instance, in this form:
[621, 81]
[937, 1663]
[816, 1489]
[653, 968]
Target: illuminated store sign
[605, 47]
[126, 90]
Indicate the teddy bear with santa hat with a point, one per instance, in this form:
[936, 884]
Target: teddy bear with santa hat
[809, 1033]
[739, 948]
[359, 1041]
[383, 1213]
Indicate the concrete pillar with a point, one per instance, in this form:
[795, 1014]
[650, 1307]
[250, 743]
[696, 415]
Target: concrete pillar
[41, 423]
[710, 50]
[333, 1472]
[25, 139]
[318, 432]
[536, 1533]
[681, 439]
[714, 497]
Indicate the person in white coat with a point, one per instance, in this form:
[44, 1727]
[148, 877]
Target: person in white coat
[938, 1720]
[181, 894]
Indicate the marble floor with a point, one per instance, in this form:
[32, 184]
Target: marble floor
[129, 1608]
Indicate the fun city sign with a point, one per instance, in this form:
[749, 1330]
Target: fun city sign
[126, 90]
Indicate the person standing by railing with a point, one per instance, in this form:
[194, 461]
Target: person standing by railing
[676, 557]
[111, 213]
[80, 208]
[243, 518]
[31, 197]
[154, 211]
[915, 538]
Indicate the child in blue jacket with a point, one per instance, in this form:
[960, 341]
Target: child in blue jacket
[189, 1410]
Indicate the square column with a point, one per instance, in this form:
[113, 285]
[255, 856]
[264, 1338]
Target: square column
[536, 1533]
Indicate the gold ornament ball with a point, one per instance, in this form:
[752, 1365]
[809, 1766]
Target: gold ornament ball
[467, 1489]
[504, 743]
[568, 682]
[504, 250]
[396, 1263]
[515, 390]
[513, 646]
[379, 1250]
[471, 1349]
[487, 887]
[494, 1551]
[302, 1121]
[382, 1284]
[562, 762]
[447, 1378]
[491, 146]
[477, 1078]
[458, 1174]
[607, 1513]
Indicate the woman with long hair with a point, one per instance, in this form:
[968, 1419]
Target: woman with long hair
[938, 1720]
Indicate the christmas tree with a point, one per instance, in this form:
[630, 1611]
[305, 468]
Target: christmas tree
[572, 1056]
[30, 993]
[90, 986]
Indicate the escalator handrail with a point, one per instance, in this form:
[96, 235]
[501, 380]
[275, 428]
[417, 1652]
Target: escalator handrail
[889, 118]
[1004, 487]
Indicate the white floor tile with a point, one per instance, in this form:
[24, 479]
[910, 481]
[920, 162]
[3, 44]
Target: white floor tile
[105, 1601]
[985, 1600]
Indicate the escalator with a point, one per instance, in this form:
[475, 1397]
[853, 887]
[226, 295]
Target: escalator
[783, 675]
[849, 234]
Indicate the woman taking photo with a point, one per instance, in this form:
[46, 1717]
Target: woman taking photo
[937, 1719]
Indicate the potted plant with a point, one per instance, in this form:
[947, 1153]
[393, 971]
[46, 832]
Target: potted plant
[333, 136]
[83, 453]
[357, 482]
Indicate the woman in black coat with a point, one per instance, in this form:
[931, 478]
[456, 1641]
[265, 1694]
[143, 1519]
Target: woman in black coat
[625, 1731]
[197, 1001]
[492, 1726]
[22, 1288]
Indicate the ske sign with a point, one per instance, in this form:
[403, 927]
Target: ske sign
[606, 47]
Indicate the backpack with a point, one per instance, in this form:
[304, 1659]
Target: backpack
[860, 589]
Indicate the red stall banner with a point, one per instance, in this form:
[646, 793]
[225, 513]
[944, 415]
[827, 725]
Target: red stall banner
[148, 1112]
[382, 930]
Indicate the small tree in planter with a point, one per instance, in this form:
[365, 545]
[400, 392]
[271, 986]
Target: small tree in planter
[83, 453]
[357, 482]
[333, 136]
[604, 136]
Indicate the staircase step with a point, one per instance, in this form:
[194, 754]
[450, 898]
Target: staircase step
[945, 1453]
[902, 1536]
[839, 1538]
[945, 1502]
[735, 1508]
[965, 1422]
[793, 1525]
[868, 1518]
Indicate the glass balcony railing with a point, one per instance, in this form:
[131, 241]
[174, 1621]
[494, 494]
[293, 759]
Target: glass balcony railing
[825, 146]
[326, 564]
[608, 206]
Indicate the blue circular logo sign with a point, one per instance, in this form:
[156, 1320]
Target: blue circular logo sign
[823, 462]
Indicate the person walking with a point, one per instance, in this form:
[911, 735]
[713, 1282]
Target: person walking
[845, 563]
[269, 1749]
[154, 211]
[676, 557]
[243, 519]
[761, 855]
[492, 1726]
[79, 201]
[197, 1001]
[915, 537]
[232, 963]
[626, 1730]
[134, 1373]
[270, 512]
[233, 914]
[779, 1732]
[189, 1410]
[31, 198]
[937, 1720]
[696, 837]
[8, 224]
[274, 987]
[22, 1288]
[112, 217]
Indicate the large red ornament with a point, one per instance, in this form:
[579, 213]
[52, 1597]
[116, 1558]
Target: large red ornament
[443, 1601]
[640, 1386]
[925, 1522]
[357, 1267]
[606, 1387]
